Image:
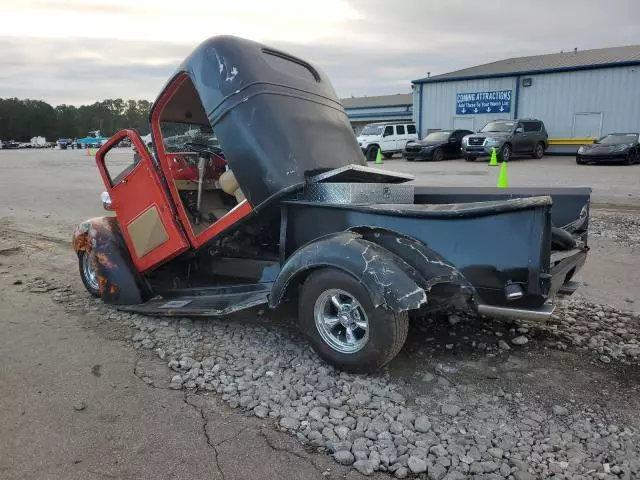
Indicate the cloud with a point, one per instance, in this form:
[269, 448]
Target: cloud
[372, 47]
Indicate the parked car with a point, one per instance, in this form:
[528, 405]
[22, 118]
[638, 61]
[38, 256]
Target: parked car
[509, 137]
[11, 145]
[440, 145]
[93, 140]
[290, 210]
[612, 148]
[389, 137]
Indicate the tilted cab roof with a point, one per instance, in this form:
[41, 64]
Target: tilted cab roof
[276, 116]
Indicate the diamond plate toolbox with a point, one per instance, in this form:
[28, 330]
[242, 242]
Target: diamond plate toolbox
[357, 193]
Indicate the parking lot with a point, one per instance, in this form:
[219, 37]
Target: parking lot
[464, 397]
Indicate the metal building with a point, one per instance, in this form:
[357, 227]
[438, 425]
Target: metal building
[577, 94]
[364, 110]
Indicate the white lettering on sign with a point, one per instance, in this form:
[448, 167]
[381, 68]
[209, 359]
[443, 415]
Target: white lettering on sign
[485, 102]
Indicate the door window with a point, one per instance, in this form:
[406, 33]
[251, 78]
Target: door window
[388, 130]
[120, 161]
[400, 129]
[531, 126]
[411, 129]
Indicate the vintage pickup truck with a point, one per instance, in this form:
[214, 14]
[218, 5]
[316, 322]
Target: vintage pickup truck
[269, 197]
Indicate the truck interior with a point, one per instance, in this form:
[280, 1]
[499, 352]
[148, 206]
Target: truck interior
[206, 187]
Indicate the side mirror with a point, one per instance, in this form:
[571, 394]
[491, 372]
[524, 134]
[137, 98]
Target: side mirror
[106, 201]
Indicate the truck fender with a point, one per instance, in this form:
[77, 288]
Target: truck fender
[391, 282]
[432, 266]
[100, 237]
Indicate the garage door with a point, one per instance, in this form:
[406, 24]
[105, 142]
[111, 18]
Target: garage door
[463, 123]
[587, 125]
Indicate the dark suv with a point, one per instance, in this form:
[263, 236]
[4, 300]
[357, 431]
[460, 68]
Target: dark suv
[525, 136]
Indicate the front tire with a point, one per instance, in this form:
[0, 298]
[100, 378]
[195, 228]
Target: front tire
[469, 158]
[438, 155]
[505, 153]
[88, 274]
[344, 327]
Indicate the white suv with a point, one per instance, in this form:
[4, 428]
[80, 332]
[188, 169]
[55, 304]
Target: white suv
[389, 137]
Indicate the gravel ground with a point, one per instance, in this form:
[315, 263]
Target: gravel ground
[620, 227]
[374, 423]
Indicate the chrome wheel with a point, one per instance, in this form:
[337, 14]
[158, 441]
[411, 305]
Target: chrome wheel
[89, 272]
[341, 321]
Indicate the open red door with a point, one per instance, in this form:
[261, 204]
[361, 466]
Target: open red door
[144, 212]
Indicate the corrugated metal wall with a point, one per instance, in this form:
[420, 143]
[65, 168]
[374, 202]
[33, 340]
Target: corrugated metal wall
[439, 102]
[562, 100]
[556, 98]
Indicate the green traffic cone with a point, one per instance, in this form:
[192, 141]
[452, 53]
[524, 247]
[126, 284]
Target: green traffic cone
[494, 158]
[502, 178]
[379, 156]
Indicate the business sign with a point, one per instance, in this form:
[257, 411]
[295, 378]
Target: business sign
[483, 102]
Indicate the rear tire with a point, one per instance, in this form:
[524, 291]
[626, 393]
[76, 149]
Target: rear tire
[372, 151]
[630, 160]
[438, 155]
[88, 274]
[538, 150]
[364, 349]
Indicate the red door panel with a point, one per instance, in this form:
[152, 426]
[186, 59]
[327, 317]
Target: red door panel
[144, 212]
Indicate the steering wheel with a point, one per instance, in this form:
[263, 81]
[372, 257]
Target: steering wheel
[203, 150]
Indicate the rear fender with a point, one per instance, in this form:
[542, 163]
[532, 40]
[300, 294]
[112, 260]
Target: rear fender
[100, 237]
[434, 268]
[391, 282]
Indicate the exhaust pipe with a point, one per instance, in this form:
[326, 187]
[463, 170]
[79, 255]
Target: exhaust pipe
[541, 314]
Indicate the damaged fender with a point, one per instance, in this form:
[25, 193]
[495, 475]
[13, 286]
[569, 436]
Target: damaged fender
[391, 282]
[430, 265]
[119, 282]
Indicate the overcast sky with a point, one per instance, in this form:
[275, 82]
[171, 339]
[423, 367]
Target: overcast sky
[81, 51]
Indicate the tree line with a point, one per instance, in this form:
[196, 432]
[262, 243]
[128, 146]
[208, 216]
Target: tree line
[21, 120]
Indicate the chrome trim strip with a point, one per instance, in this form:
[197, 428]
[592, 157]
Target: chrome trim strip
[541, 314]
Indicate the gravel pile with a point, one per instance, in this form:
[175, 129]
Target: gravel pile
[620, 227]
[367, 422]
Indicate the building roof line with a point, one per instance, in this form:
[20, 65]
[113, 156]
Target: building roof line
[520, 73]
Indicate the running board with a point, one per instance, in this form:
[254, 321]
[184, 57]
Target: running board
[540, 314]
[213, 303]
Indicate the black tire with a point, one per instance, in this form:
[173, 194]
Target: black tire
[505, 152]
[630, 160]
[387, 330]
[438, 155]
[469, 158]
[387, 155]
[90, 285]
[409, 159]
[538, 150]
[579, 162]
[372, 152]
